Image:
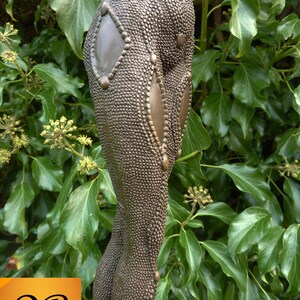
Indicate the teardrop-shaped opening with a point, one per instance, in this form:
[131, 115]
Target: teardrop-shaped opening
[109, 45]
[157, 109]
[184, 109]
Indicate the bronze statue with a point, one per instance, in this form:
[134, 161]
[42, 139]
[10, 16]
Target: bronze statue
[138, 57]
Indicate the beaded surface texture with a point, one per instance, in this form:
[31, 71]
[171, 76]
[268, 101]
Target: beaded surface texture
[138, 58]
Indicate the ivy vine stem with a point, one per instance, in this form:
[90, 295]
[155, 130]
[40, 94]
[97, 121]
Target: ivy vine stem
[215, 8]
[190, 216]
[191, 155]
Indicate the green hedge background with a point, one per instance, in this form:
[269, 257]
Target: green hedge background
[232, 229]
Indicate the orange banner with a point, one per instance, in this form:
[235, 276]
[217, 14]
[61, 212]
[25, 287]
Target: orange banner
[40, 288]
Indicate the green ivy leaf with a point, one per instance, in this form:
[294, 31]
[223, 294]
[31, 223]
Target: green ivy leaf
[170, 223]
[243, 22]
[269, 9]
[296, 103]
[74, 18]
[61, 50]
[195, 137]
[164, 252]
[292, 189]
[87, 270]
[203, 67]
[231, 291]
[106, 187]
[249, 81]
[220, 254]
[9, 8]
[49, 107]
[20, 198]
[195, 224]
[163, 289]
[250, 180]
[46, 268]
[251, 292]
[288, 144]
[176, 210]
[277, 6]
[80, 217]
[296, 71]
[52, 240]
[247, 229]
[63, 196]
[289, 26]
[182, 273]
[290, 258]
[238, 143]
[106, 218]
[243, 115]
[219, 210]
[182, 293]
[216, 112]
[3, 83]
[214, 291]
[58, 79]
[193, 251]
[277, 287]
[269, 249]
[46, 174]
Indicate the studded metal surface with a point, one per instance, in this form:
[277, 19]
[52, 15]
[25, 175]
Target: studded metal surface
[141, 96]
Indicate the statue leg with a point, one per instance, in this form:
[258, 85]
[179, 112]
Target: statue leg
[145, 205]
[102, 288]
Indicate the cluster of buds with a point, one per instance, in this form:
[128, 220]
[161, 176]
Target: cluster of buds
[198, 195]
[8, 56]
[49, 16]
[62, 134]
[84, 140]
[5, 156]
[11, 131]
[9, 126]
[289, 169]
[86, 164]
[9, 31]
[33, 80]
[58, 132]
[20, 141]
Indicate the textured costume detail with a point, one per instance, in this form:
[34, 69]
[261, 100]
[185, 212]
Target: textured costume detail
[181, 40]
[104, 82]
[110, 44]
[178, 154]
[157, 276]
[138, 58]
[165, 162]
[156, 109]
[104, 8]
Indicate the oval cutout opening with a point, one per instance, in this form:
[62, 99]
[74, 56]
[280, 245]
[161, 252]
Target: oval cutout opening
[157, 108]
[108, 46]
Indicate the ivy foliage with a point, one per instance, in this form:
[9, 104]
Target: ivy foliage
[232, 229]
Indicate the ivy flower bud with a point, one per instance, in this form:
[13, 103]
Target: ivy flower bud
[86, 164]
[20, 142]
[5, 156]
[84, 140]
[9, 56]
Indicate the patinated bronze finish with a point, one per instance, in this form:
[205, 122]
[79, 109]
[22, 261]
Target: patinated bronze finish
[138, 57]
